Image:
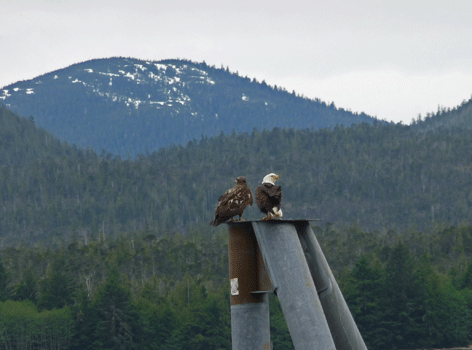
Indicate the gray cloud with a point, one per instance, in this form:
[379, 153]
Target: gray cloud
[390, 59]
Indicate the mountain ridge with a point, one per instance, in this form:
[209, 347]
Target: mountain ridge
[129, 106]
[22, 142]
[456, 118]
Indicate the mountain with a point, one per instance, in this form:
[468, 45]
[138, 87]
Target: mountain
[128, 106]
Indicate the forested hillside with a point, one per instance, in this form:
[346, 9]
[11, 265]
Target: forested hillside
[381, 176]
[22, 142]
[129, 106]
[103, 252]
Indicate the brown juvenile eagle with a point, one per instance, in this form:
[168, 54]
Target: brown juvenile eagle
[233, 202]
[269, 197]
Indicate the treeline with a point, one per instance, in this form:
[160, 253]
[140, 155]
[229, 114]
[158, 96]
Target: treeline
[381, 176]
[408, 289]
[459, 117]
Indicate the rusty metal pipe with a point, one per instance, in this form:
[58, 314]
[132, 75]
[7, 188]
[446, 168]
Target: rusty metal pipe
[250, 324]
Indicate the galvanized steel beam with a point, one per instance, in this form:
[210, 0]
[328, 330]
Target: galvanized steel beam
[344, 330]
[290, 275]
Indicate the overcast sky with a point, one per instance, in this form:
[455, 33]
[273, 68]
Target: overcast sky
[389, 59]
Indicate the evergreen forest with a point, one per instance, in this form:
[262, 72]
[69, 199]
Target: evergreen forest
[406, 290]
[102, 252]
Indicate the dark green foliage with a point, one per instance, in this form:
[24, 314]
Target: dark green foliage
[57, 288]
[86, 319]
[203, 319]
[402, 302]
[363, 292]
[117, 324]
[144, 292]
[27, 289]
[406, 303]
[5, 292]
[119, 252]
[158, 323]
[22, 142]
[23, 327]
[447, 319]
[466, 281]
[457, 118]
[381, 176]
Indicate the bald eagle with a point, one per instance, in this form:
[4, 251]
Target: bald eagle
[233, 202]
[269, 197]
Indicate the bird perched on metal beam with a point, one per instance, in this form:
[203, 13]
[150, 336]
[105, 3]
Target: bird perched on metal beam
[233, 202]
[269, 197]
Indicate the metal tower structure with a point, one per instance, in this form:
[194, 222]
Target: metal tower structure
[284, 257]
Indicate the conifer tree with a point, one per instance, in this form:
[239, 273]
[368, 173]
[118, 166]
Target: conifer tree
[403, 300]
[5, 292]
[27, 289]
[363, 295]
[58, 288]
[118, 322]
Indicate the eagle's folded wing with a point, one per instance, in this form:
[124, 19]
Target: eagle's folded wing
[275, 192]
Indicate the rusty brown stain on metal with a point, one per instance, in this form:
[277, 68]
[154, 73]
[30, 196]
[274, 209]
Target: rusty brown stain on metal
[246, 264]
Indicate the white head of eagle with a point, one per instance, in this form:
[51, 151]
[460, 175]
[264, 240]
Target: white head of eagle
[270, 178]
[233, 202]
[269, 197]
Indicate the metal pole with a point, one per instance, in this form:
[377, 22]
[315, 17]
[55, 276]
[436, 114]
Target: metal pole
[250, 324]
[344, 330]
[290, 275]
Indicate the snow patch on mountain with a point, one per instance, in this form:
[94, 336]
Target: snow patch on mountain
[164, 84]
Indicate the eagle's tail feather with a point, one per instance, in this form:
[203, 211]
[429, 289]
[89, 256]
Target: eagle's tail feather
[217, 221]
[278, 212]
